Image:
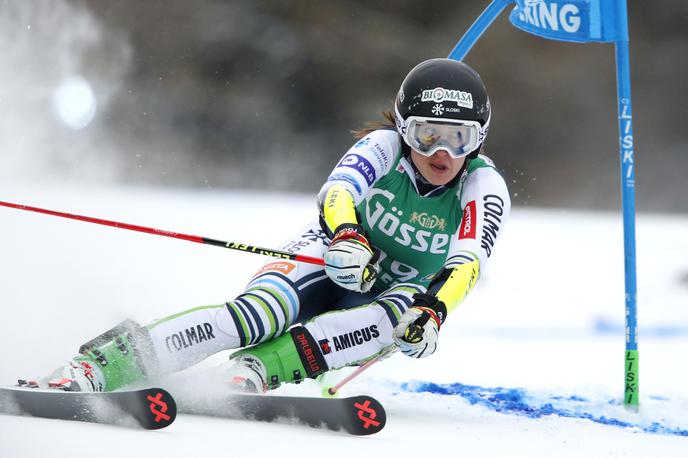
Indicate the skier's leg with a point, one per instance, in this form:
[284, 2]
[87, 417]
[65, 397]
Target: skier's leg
[329, 341]
[130, 352]
[272, 301]
[270, 304]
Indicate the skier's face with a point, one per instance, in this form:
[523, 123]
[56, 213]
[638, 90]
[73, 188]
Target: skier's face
[438, 169]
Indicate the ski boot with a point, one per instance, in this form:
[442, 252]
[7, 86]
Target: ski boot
[287, 359]
[247, 375]
[112, 360]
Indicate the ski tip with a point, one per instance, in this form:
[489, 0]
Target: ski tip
[368, 415]
[160, 411]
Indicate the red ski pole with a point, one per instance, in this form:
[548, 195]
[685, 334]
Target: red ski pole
[332, 391]
[175, 235]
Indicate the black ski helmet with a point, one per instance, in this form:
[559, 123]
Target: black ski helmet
[443, 89]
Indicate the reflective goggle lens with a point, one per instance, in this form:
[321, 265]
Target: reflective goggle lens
[427, 137]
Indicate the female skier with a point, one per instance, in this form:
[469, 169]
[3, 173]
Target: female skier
[408, 219]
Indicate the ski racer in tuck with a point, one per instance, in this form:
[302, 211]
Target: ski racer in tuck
[408, 219]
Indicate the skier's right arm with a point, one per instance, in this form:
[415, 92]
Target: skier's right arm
[351, 261]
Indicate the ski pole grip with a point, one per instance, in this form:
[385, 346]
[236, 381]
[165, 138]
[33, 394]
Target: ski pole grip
[414, 333]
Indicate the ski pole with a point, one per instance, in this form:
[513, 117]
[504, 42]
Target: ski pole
[413, 334]
[191, 238]
[332, 391]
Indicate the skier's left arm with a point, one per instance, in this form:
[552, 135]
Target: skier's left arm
[486, 207]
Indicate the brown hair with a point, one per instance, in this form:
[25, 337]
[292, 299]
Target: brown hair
[371, 126]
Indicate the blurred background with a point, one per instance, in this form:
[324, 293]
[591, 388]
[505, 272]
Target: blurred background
[262, 94]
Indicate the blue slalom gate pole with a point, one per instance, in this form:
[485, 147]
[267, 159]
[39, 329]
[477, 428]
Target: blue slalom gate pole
[475, 31]
[623, 88]
[588, 21]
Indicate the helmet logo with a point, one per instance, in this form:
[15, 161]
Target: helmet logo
[437, 95]
[438, 110]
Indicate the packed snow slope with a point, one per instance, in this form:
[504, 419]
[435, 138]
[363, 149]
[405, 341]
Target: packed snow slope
[530, 365]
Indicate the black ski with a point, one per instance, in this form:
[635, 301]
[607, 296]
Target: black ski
[358, 415]
[151, 408]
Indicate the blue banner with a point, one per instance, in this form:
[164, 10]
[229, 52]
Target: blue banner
[579, 21]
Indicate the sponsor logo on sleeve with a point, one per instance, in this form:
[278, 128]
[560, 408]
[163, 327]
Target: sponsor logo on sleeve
[467, 229]
[493, 207]
[380, 155]
[361, 165]
[333, 198]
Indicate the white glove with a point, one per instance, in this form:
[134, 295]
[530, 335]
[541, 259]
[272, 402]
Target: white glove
[350, 261]
[419, 326]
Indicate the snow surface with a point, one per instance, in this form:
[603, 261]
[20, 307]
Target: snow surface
[530, 365]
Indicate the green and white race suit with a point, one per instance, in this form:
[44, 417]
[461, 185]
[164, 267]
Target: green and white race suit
[419, 236]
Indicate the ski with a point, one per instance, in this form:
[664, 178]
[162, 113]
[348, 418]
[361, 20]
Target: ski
[151, 408]
[357, 415]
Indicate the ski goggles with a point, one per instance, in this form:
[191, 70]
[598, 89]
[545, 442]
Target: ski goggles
[429, 135]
